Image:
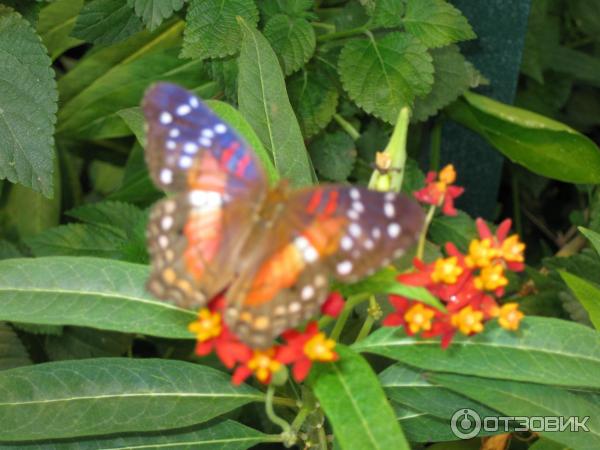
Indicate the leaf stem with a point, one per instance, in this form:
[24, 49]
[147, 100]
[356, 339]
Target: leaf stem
[342, 34]
[367, 325]
[347, 126]
[348, 307]
[325, 26]
[285, 401]
[422, 238]
[288, 435]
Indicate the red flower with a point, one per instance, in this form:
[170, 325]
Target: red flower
[302, 349]
[508, 248]
[334, 305]
[439, 190]
[262, 363]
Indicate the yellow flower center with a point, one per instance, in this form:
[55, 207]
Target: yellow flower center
[510, 316]
[481, 253]
[468, 321]
[447, 174]
[513, 249]
[207, 326]
[446, 270]
[491, 278]
[419, 318]
[263, 365]
[319, 348]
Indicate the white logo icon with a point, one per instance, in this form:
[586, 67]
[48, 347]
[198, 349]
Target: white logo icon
[465, 423]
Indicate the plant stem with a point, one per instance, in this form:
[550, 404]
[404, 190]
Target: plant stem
[342, 34]
[348, 307]
[347, 126]
[436, 145]
[285, 401]
[288, 435]
[325, 26]
[422, 238]
[369, 321]
[300, 418]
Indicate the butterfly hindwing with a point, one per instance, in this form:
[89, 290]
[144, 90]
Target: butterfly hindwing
[323, 232]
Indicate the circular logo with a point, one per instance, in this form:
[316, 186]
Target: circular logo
[465, 423]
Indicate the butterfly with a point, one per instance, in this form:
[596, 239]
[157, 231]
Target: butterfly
[272, 250]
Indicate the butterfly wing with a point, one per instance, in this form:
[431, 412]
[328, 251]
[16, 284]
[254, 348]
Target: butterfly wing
[344, 232]
[195, 236]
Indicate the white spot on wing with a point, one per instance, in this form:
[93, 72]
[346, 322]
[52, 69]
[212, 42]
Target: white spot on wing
[295, 307]
[185, 162]
[320, 280]
[354, 194]
[358, 206]
[182, 110]
[307, 292]
[163, 241]
[220, 128]
[353, 214]
[171, 145]
[166, 222]
[205, 142]
[389, 210]
[190, 148]
[205, 199]
[355, 229]
[376, 233]
[208, 133]
[344, 268]
[166, 176]
[394, 229]
[174, 132]
[194, 103]
[166, 118]
[311, 254]
[346, 243]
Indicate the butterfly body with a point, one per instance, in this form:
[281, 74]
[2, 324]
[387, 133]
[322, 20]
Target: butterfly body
[272, 249]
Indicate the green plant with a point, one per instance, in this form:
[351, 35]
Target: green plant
[323, 90]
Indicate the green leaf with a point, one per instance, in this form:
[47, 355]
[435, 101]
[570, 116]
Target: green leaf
[586, 15]
[526, 400]
[293, 8]
[314, 97]
[55, 24]
[119, 217]
[393, 70]
[88, 292]
[137, 187]
[27, 105]
[113, 395]
[154, 12]
[412, 388]
[333, 155]
[106, 22]
[587, 293]
[226, 435]
[264, 103]
[451, 80]
[80, 343]
[387, 13]
[568, 356]
[542, 145]
[422, 427]
[233, 117]
[123, 86]
[292, 39]
[436, 22]
[102, 62]
[211, 29]
[76, 239]
[12, 352]
[353, 401]
[459, 230]
[8, 250]
[593, 237]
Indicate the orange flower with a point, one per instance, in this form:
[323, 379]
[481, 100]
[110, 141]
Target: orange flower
[319, 348]
[468, 321]
[481, 253]
[491, 278]
[208, 325]
[441, 192]
[419, 318]
[510, 317]
[263, 364]
[446, 270]
[512, 249]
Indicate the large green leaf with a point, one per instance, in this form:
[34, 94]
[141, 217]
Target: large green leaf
[351, 397]
[121, 87]
[211, 29]
[527, 399]
[436, 22]
[92, 292]
[83, 343]
[27, 105]
[117, 216]
[112, 395]
[226, 435]
[333, 155]
[12, 352]
[587, 293]
[451, 79]
[542, 145]
[393, 70]
[411, 387]
[386, 13]
[264, 103]
[569, 355]
[55, 24]
[100, 64]
[292, 39]
[106, 22]
[154, 12]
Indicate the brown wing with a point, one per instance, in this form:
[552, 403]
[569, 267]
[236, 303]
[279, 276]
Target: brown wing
[344, 232]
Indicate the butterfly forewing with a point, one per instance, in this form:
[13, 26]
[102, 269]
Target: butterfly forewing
[343, 232]
[195, 237]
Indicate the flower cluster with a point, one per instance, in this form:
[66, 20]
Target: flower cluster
[300, 349]
[440, 190]
[469, 285]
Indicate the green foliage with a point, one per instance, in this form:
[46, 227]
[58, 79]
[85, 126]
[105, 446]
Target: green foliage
[27, 102]
[82, 341]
